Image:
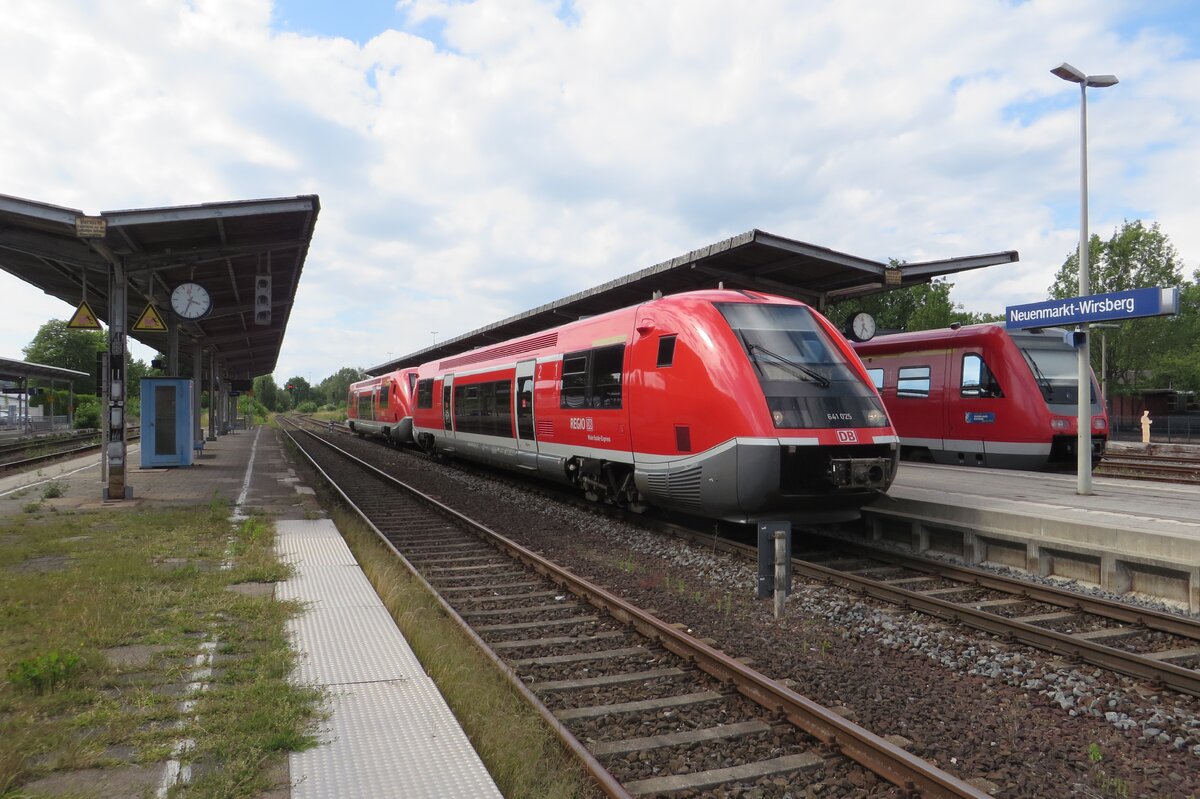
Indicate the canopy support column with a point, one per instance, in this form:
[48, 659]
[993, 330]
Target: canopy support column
[115, 449]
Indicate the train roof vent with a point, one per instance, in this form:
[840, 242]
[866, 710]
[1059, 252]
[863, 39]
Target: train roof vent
[502, 350]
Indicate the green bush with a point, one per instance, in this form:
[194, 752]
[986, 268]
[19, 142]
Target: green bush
[43, 673]
[87, 412]
[308, 406]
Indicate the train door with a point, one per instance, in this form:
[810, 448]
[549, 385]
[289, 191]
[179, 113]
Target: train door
[968, 416]
[526, 439]
[448, 406]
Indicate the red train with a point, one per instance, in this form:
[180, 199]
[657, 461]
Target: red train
[382, 406]
[727, 404]
[984, 396]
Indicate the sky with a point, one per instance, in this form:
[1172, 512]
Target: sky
[478, 159]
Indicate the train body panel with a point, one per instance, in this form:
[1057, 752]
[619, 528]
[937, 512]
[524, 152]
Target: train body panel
[382, 406]
[673, 403]
[983, 396]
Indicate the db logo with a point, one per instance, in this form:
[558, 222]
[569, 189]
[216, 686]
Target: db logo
[847, 437]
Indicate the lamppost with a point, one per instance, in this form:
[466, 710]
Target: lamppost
[1084, 419]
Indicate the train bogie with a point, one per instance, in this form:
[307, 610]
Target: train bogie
[726, 404]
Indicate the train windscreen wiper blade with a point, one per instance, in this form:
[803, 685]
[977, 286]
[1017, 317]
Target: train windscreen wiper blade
[800, 369]
[1037, 371]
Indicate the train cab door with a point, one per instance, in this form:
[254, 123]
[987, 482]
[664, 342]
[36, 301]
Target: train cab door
[526, 438]
[448, 408]
[970, 412]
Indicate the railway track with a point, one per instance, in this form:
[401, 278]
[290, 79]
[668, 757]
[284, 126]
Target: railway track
[1158, 647]
[1161, 648]
[648, 709]
[1161, 468]
[30, 453]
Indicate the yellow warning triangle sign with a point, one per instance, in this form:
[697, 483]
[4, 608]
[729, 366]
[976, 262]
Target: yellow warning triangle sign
[84, 319]
[150, 321]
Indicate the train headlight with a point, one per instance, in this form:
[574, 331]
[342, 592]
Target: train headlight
[1098, 423]
[777, 417]
[1060, 423]
[876, 418]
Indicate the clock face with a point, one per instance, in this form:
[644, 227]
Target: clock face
[862, 325]
[190, 300]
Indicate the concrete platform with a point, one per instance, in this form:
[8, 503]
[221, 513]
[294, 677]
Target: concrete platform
[389, 732]
[1128, 536]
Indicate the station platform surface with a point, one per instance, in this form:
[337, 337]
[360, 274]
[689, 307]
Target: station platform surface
[1138, 505]
[1128, 536]
[389, 732]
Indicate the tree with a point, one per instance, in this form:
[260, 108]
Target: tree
[267, 392]
[334, 388]
[298, 391]
[923, 307]
[55, 344]
[1135, 257]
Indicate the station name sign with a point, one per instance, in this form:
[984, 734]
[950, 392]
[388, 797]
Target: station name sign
[1118, 306]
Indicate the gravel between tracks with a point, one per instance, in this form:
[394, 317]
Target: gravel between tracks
[1021, 719]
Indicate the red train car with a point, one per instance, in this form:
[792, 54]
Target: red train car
[728, 404]
[382, 406]
[983, 396]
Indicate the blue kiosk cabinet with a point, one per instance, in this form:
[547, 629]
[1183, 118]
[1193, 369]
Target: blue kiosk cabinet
[167, 427]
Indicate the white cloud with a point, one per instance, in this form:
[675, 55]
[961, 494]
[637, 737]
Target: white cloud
[524, 154]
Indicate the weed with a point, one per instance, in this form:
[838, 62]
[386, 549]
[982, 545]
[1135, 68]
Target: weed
[53, 490]
[218, 506]
[43, 673]
[32, 507]
[725, 604]
[1108, 786]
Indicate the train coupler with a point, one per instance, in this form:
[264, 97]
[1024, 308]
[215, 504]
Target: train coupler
[859, 472]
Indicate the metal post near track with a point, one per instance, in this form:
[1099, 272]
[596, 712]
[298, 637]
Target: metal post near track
[775, 562]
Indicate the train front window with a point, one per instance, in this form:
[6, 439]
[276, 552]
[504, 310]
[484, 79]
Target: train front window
[785, 343]
[806, 380]
[1056, 372]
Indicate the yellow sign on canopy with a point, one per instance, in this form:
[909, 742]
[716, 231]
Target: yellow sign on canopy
[150, 321]
[84, 319]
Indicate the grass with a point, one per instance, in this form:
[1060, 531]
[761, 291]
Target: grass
[521, 753]
[75, 585]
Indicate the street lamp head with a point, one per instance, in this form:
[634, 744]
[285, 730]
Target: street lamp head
[1068, 72]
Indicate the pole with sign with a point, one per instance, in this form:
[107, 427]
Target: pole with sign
[1114, 307]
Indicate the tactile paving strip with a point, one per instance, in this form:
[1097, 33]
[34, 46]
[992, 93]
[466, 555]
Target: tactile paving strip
[388, 740]
[350, 644]
[328, 587]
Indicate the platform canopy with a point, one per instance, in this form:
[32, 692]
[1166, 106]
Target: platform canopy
[754, 260]
[221, 246]
[16, 371]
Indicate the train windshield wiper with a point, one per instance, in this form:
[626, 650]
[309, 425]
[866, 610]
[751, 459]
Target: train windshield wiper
[1037, 371]
[802, 371]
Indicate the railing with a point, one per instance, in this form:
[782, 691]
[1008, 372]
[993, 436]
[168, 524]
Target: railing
[1172, 428]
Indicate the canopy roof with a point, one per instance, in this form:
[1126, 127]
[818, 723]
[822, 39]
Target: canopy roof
[753, 260]
[222, 246]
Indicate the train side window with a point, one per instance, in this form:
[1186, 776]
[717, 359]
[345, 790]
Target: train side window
[607, 365]
[383, 397]
[425, 393]
[913, 382]
[977, 379]
[575, 380]
[666, 351]
[876, 378]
